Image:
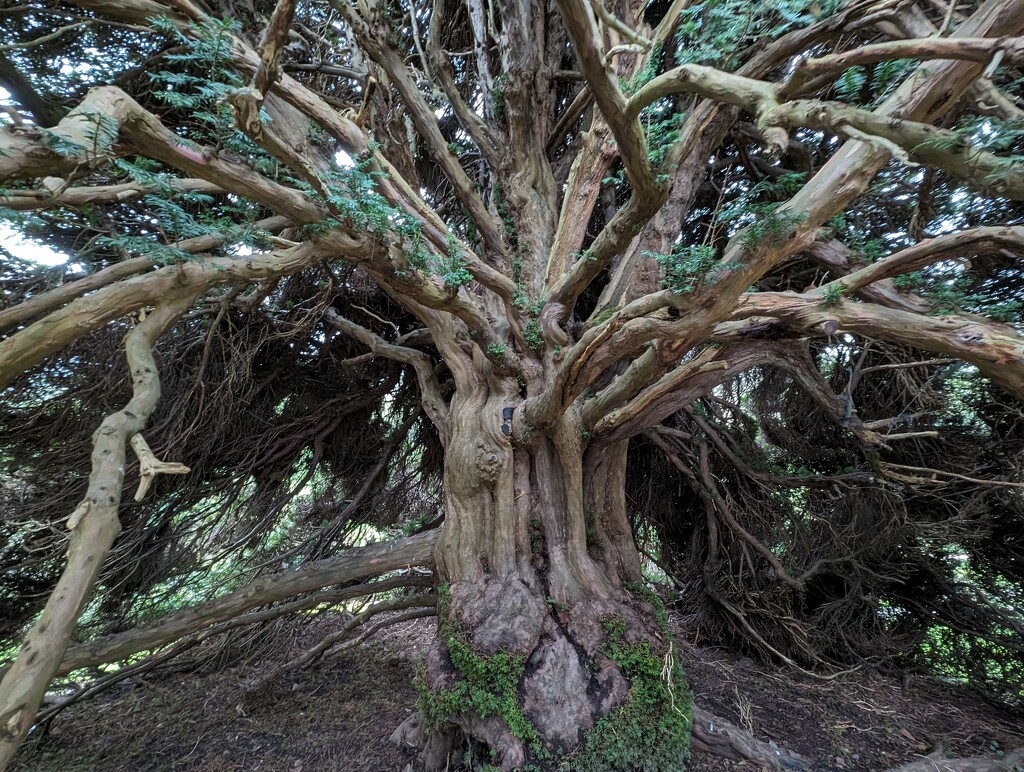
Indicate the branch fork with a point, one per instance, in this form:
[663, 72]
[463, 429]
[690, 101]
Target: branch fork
[150, 466]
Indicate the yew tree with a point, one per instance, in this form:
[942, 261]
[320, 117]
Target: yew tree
[568, 291]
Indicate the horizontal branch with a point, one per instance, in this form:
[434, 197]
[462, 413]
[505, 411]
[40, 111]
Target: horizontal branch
[52, 333]
[996, 350]
[57, 297]
[1010, 50]
[960, 245]
[839, 259]
[353, 565]
[60, 195]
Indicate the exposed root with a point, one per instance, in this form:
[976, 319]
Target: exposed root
[718, 737]
[936, 762]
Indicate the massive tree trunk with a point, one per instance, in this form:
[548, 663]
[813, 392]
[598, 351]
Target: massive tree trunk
[549, 646]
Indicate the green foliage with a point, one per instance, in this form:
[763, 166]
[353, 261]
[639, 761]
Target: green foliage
[533, 335]
[715, 32]
[661, 133]
[646, 74]
[200, 86]
[496, 350]
[686, 267]
[498, 96]
[452, 271]
[950, 294]
[832, 294]
[888, 75]
[489, 685]
[654, 600]
[650, 730]
[766, 222]
[849, 85]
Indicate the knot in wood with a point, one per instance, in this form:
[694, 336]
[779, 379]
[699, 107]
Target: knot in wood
[488, 462]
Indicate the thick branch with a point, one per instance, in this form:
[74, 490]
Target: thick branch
[353, 565]
[996, 350]
[52, 333]
[968, 49]
[55, 193]
[600, 76]
[94, 525]
[55, 298]
[960, 245]
[108, 123]
[44, 113]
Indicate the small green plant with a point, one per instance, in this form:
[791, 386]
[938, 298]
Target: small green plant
[498, 96]
[533, 335]
[489, 685]
[686, 268]
[452, 271]
[650, 729]
[832, 293]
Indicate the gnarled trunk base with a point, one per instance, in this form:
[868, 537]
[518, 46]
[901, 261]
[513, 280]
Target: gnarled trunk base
[521, 683]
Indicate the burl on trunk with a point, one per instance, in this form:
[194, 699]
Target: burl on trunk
[551, 651]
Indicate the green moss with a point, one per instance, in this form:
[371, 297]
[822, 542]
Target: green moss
[650, 730]
[654, 600]
[489, 685]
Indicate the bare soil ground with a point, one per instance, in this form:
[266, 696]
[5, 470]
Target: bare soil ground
[339, 715]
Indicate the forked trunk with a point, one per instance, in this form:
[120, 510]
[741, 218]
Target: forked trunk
[550, 651]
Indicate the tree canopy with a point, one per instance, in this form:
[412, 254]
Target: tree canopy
[544, 299]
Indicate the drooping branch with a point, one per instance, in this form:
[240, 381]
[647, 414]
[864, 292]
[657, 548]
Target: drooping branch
[430, 390]
[43, 112]
[50, 334]
[426, 602]
[55, 298]
[94, 526]
[355, 565]
[322, 599]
